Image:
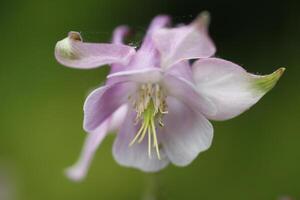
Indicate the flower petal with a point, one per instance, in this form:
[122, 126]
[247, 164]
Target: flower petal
[185, 42]
[117, 118]
[230, 87]
[79, 170]
[147, 56]
[182, 70]
[144, 75]
[157, 23]
[102, 102]
[119, 34]
[185, 134]
[136, 156]
[186, 92]
[72, 52]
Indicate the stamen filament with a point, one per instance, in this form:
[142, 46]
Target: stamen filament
[146, 122]
[137, 135]
[149, 143]
[144, 132]
[155, 143]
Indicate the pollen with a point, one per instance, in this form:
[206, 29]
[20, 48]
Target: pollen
[150, 106]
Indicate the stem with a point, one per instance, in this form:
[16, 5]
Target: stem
[151, 187]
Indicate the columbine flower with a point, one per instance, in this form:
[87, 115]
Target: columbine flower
[159, 102]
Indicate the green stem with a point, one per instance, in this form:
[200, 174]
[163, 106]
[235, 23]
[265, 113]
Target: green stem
[151, 187]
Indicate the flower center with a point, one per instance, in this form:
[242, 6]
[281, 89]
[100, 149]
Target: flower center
[150, 106]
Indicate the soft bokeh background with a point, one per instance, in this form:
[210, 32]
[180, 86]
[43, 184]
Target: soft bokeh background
[255, 156]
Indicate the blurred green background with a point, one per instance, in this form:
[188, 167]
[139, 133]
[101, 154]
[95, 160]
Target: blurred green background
[254, 156]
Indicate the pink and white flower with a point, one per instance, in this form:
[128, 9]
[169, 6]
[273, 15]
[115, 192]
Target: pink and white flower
[158, 101]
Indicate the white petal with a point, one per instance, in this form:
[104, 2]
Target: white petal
[185, 134]
[182, 70]
[186, 92]
[230, 87]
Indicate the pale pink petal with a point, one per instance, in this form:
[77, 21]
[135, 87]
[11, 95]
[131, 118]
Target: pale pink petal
[117, 118]
[104, 101]
[157, 23]
[136, 156]
[79, 170]
[119, 34]
[144, 75]
[185, 42]
[147, 56]
[185, 134]
[182, 70]
[230, 87]
[187, 92]
[73, 52]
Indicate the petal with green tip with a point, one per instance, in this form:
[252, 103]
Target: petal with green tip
[265, 83]
[230, 87]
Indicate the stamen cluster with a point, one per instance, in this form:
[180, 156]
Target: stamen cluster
[150, 106]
